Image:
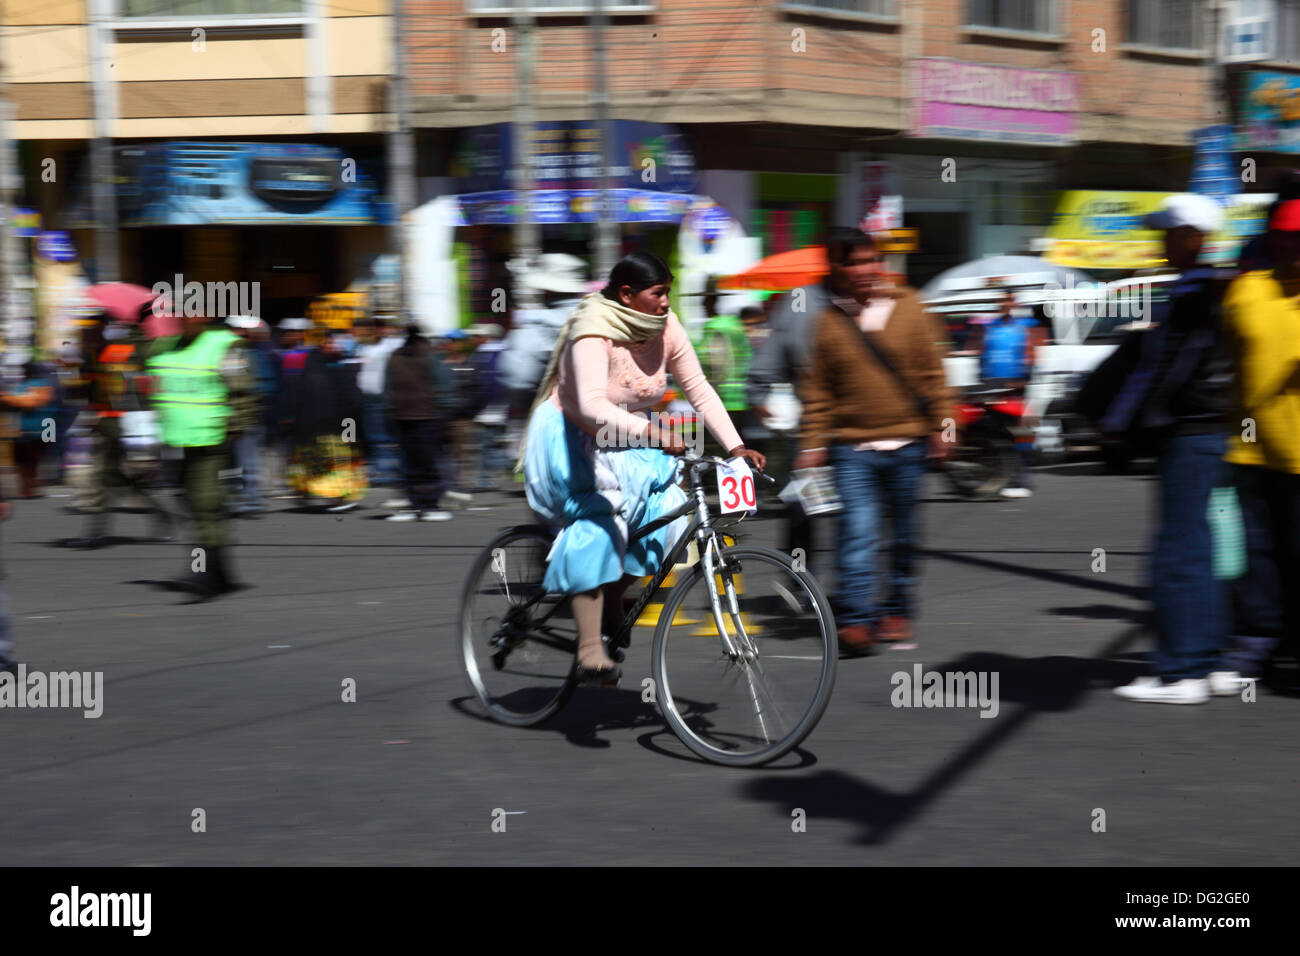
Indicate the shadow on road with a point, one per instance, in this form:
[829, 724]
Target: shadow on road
[1105, 612]
[593, 712]
[1096, 582]
[1027, 687]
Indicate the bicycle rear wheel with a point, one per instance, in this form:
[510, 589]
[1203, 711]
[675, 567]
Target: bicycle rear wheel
[518, 642]
[747, 708]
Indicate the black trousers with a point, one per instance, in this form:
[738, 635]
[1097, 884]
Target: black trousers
[1266, 599]
[422, 445]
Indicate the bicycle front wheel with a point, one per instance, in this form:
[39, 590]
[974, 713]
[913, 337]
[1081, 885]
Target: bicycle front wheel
[750, 696]
[518, 643]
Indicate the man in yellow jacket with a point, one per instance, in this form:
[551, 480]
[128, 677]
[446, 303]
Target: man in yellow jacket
[1262, 319]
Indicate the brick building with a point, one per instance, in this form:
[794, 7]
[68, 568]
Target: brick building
[781, 103]
[229, 118]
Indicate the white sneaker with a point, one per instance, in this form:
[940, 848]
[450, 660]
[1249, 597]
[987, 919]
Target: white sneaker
[1151, 690]
[340, 508]
[455, 499]
[436, 516]
[397, 504]
[1228, 683]
[1016, 493]
[403, 516]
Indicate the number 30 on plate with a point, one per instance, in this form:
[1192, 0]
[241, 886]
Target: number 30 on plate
[736, 487]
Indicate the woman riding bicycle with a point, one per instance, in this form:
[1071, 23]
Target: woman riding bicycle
[610, 362]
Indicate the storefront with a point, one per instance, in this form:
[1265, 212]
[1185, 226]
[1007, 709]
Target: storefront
[981, 159]
[465, 239]
[299, 220]
[1102, 232]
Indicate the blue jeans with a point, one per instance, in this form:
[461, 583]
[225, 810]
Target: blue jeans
[385, 462]
[872, 484]
[1191, 604]
[248, 455]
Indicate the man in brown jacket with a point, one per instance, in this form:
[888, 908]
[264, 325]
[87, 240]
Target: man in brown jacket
[875, 397]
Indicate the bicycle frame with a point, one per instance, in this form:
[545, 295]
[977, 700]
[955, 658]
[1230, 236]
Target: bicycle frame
[700, 528]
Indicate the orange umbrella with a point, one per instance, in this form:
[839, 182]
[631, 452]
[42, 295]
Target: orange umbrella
[785, 270]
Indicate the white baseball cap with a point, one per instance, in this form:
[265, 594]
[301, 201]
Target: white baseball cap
[1187, 209]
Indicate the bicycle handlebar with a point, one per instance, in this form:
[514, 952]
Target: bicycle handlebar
[705, 462]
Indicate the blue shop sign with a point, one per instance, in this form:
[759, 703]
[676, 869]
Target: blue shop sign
[197, 183]
[56, 246]
[558, 206]
[650, 157]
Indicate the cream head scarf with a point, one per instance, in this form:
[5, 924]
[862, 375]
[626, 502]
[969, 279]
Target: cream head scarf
[595, 315]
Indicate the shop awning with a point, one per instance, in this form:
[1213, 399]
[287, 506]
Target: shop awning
[555, 206]
[1094, 229]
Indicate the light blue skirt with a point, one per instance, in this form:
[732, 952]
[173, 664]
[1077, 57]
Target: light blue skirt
[593, 497]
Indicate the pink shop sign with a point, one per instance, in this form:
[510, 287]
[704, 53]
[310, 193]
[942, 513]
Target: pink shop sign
[957, 100]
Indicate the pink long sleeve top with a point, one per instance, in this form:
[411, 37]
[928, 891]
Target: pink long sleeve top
[598, 375]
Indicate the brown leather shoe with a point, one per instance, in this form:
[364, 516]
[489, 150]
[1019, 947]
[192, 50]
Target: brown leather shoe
[855, 639]
[895, 628]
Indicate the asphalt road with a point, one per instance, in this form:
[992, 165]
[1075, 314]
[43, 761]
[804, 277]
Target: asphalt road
[235, 708]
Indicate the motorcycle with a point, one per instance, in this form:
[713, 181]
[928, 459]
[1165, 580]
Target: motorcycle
[984, 460]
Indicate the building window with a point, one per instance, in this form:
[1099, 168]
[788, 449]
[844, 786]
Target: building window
[1171, 24]
[542, 7]
[1030, 16]
[876, 8]
[1288, 30]
[211, 8]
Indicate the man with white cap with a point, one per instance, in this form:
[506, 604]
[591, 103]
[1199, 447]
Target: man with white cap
[562, 281]
[1175, 402]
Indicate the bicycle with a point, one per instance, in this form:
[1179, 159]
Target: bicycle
[736, 619]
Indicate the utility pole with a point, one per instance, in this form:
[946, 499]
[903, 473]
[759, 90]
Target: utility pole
[607, 235]
[8, 185]
[526, 232]
[103, 177]
[401, 161]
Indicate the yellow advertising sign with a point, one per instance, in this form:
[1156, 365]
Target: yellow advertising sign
[338, 310]
[1104, 230]
[898, 240]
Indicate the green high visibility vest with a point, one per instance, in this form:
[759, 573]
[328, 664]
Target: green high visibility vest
[190, 395]
[725, 354]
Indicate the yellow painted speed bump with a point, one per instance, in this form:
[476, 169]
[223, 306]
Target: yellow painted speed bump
[650, 613]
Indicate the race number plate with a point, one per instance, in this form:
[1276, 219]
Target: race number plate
[736, 487]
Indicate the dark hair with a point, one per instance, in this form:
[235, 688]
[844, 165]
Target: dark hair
[840, 241]
[639, 270]
[751, 312]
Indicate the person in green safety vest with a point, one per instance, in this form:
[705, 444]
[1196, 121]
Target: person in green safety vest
[205, 396]
[724, 351]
